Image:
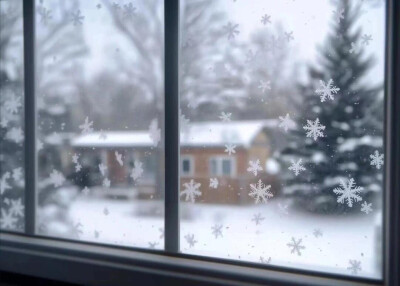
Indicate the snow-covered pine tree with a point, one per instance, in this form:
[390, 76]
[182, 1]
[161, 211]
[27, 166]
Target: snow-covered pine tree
[352, 119]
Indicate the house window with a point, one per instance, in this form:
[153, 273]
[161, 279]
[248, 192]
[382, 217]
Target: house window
[187, 166]
[222, 166]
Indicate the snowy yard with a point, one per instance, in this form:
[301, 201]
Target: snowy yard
[342, 238]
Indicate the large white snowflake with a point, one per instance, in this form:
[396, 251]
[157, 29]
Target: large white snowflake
[118, 157]
[264, 85]
[286, 122]
[3, 182]
[296, 246]
[327, 91]
[260, 192]
[230, 149]
[254, 167]
[7, 220]
[137, 170]
[77, 18]
[366, 207]
[214, 183]
[15, 134]
[56, 178]
[154, 132]
[12, 104]
[297, 167]
[348, 191]
[17, 208]
[225, 116]
[86, 127]
[191, 191]
[355, 266]
[231, 30]
[376, 159]
[217, 230]
[314, 129]
[190, 239]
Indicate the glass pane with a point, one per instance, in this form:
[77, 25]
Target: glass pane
[226, 167]
[293, 92]
[100, 95]
[12, 181]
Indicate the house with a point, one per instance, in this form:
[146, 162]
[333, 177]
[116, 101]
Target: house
[203, 156]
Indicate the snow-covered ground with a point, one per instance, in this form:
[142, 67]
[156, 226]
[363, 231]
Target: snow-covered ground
[344, 238]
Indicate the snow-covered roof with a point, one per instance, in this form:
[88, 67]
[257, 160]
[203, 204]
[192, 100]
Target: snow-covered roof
[204, 134]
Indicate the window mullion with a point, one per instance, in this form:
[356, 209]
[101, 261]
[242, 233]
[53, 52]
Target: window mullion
[171, 77]
[30, 114]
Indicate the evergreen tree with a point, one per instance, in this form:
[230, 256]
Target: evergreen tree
[353, 122]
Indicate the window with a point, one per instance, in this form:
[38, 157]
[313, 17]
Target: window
[208, 141]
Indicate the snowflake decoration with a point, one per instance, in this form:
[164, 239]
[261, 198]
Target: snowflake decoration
[260, 192]
[326, 91]
[7, 220]
[317, 232]
[106, 183]
[75, 158]
[45, 15]
[314, 129]
[137, 171]
[283, 208]
[376, 159]
[77, 18]
[355, 266]
[153, 245]
[154, 132]
[214, 183]
[225, 117]
[15, 134]
[190, 239]
[17, 208]
[217, 230]
[286, 122]
[266, 19]
[365, 39]
[366, 207]
[289, 36]
[103, 169]
[264, 85]
[297, 167]
[338, 14]
[230, 149]
[118, 157]
[12, 104]
[3, 182]
[265, 261]
[191, 191]
[56, 178]
[129, 10]
[86, 127]
[296, 246]
[17, 174]
[86, 191]
[348, 191]
[355, 48]
[231, 30]
[254, 167]
[78, 167]
[258, 218]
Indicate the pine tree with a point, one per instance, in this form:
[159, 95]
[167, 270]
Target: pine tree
[353, 121]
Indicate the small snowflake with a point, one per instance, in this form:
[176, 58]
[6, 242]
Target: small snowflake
[213, 183]
[230, 149]
[314, 129]
[154, 132]
[217, 230]
[190, 239]
[56, 178]
[355, 266]
[338, 15]
[286, 122]
[365, 39]
[297, 167]
[231, 30]
[15, 134]
[86, 127]
[137, 171]
[376, 159]
[366, 207]
[266, 19]
[7, 220]
[12, 104]
[260, 192]
[258, 218]
[225, 117]
[254, 167]
[129, 10]
[106, 183]
[265, 261]
[289, 36]
[86, 191]
[75, 158]
[283, 208]
[103, 169]
[152, 245]
[118, 157]
[326, 91]
[3, 182]
[264, 85]
[348, 191]
[17, 174]
[45, 15]
[317, 232]
[296, 246]
[78, 167]
[77, 18]
[191, 191]
[17, 208]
